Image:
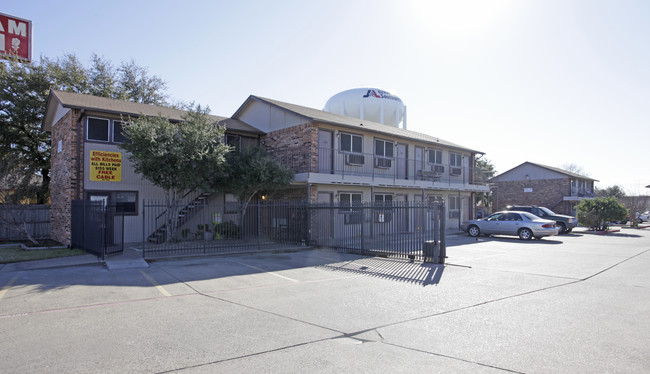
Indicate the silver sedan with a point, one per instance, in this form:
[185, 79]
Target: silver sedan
[522, 224]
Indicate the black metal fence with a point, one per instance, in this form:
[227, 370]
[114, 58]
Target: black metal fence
[397, 229]
[97, 228]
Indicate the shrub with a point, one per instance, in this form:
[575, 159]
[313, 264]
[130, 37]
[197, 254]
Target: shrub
[597, 213]
[227, 230]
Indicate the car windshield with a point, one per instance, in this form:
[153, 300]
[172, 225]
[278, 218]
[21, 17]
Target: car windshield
[547, 211]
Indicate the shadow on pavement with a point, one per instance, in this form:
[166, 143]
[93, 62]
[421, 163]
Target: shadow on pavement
[207, 268]
[395, 270]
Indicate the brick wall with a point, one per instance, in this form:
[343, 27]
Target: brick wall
[64, 185]
[296, 147]
[545, 192]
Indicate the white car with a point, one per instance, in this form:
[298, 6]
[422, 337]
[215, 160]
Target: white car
[644, 217]
[522, 224]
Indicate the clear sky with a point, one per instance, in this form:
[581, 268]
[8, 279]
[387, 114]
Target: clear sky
[555, 82]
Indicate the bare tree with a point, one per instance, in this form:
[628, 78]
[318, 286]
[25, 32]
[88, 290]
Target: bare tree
[635, 204]
[576, 169]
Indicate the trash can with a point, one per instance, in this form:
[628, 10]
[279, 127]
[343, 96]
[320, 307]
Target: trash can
[431, 251]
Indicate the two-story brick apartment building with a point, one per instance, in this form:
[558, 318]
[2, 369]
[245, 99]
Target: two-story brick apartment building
[87, 163]
[339, 158]
[335, 158]
[536, 184]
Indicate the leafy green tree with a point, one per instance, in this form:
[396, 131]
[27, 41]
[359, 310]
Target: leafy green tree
[24, 88]
[23, 92]
[250, 171]
[597, 213]
[177, 157]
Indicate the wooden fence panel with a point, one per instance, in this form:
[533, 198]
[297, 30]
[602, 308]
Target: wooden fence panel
[36, 216]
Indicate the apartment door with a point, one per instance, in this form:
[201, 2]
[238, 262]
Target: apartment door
[325, 151]
[402, 213]
[419, 161]
[418, 214]
[325, 222]
[402, 162]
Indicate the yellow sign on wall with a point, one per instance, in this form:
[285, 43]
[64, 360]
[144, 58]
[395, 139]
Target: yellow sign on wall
[105, 166]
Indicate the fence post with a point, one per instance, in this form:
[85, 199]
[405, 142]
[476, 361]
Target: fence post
[144, 241]
[443, 233]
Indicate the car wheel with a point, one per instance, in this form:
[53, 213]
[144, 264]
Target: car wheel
[562, 227]
[473, 231]
[525, 234]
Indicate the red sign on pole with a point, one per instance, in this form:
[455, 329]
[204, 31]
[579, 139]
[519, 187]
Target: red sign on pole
[15, 37]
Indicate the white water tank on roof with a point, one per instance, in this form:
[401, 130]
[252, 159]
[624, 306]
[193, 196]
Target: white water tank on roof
[371, 104]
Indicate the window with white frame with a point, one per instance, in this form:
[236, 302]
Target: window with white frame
[350, 203]
[434, 156]
[384, 148]
[351, 143]
[98, 129]
[384, 211]
[105, 130]
[455, 159]
[454, 206]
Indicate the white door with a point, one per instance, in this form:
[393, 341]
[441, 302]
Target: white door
[419, 162]
[324, 228]
[325, 151]
[402, 161]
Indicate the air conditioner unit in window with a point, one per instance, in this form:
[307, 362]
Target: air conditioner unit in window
[352, 159]
[455, 171]
[383, 162]
[439, 169]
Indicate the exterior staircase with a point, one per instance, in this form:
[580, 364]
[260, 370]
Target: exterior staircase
[184, 215]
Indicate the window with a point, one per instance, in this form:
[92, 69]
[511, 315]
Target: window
[233, 141]
[122, 201]
[351, 143]
[98, 129]
[454, 206]
[126, 201]
[435, 156]
[118, 135]
[231, 204]
[384, 204]
[351, 207]
[455, 159]
[383, 148]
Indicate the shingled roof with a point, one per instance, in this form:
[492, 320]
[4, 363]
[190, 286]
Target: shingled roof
[72, 100]
[351, 122]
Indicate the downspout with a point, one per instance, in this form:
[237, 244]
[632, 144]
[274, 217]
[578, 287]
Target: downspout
[79, 153]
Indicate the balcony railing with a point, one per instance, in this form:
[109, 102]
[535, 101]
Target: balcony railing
[581, 192]
[328, 161]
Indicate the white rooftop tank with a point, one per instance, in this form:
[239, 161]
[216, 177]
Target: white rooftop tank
[371, 104]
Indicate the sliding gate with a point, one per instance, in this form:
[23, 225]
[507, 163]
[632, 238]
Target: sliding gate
[395, 229]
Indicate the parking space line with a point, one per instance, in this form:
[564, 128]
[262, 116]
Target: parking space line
[268, 272]
[160, 288]
[6, 288]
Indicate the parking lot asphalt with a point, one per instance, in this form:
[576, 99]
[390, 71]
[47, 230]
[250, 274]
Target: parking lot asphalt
[576, 303]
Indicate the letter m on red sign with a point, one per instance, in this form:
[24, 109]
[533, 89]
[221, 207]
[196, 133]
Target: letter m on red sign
[15, 37]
